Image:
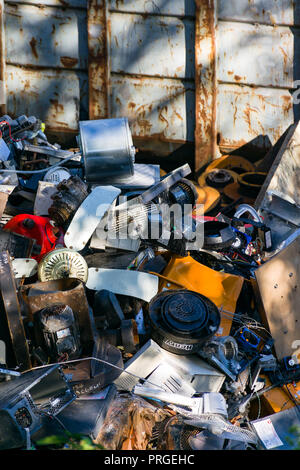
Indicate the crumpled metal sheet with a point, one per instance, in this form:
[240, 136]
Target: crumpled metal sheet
[129, 423]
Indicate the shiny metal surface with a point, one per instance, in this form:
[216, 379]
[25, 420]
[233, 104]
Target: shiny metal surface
[107, 149]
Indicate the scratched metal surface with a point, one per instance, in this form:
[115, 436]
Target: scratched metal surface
[46, 62]
[258, 61]
[280, 12]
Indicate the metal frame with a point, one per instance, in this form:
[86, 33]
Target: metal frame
[205, 82]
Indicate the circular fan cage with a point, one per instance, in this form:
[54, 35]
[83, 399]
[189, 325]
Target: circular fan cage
[61, 264]
[183, 192]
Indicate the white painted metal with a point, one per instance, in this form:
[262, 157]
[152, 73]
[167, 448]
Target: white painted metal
[161, 108]
[256, 54]
[283, 12]
[151, 46]
[158, 7]
[43, 198]
[24, 267]
[133, 283]
[88, 216]
[246, 114]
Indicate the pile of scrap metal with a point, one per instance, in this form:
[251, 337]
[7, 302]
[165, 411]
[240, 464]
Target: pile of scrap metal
[147, 310]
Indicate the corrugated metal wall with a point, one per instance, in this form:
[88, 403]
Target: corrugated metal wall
[218, 72]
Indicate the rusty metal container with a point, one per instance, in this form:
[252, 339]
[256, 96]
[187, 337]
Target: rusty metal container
[221, 75]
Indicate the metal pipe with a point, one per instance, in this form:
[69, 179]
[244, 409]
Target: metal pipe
[243, 208]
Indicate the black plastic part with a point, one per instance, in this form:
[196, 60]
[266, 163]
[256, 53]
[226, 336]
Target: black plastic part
[125, 336]
[102, 373]
[57, 332]
[17, 245]
[106, 303]
[10, 434]
[218, 236]
[84, 417]
[219, 178]
[183, 192]
[182, 320]
[156, 265]
[251, 183]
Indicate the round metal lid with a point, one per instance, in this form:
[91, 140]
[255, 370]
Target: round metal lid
[61, 264]
[184, 312]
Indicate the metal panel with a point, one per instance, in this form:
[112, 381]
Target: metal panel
[53, 3]
[46, 61]
[47, 37]
[159, 7]
[256, 54]
[156, 108]
[51, 95]
[252, 49]
[248, 114]
[151, 70]
[283, 12]
[152, 46]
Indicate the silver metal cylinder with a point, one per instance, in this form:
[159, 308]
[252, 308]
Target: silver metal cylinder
[107, 149]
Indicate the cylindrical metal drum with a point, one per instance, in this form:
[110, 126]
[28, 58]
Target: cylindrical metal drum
[107, 149]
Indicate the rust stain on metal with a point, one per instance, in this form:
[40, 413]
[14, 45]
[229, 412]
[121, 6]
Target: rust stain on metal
[178, 115]
[206, 82]
[160, 115]
[69, 62]
[59, 108]
[145, 127]
[67, 291]
[247, 116]
[33, 44]
[285, 56]
[157, 136]
[227, 143]
[97, 58]
[287, 102]
[119, 3]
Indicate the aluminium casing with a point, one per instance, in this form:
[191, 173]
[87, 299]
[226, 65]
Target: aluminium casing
[107, 149]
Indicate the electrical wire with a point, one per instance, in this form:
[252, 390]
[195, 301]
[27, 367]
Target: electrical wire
[23, 172]
[9, 130]
[243, 320]
[254, 392]
[292, 398]
[99, 360]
